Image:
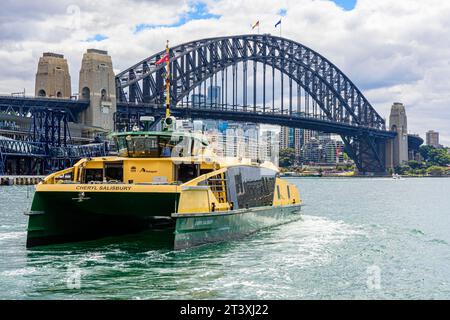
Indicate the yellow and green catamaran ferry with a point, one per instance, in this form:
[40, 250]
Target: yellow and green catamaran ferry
[161, 180]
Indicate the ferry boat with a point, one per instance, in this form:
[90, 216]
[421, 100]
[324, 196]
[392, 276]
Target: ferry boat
[166, 181]
[151, 183]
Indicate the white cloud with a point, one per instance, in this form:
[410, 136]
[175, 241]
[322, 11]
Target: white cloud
[393, 50]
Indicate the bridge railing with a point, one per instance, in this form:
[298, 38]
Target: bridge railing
[260, 110]
[25, 148]
[78, 152]
[17, 147]
[128, 109]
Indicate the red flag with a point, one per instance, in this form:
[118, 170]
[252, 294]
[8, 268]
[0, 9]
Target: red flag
[164, 59]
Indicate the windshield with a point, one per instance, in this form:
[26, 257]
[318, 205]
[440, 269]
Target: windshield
[135, 146]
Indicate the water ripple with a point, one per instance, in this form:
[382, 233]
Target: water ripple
[349, 227]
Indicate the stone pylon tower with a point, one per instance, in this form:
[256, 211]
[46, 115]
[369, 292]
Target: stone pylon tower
[397, 149]
[53, 77]
[97, 84]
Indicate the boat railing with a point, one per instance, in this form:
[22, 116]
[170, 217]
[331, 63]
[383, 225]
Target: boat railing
[59, 177]
[214, 183]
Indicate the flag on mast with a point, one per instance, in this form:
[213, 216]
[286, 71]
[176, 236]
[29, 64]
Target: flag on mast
[165, 58]
[255, 25]
[278, 24]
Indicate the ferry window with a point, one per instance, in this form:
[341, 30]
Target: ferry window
[151, 146]
[143, 146]
[278, 192]
[122, 146]
[167, 145]
[289, 192]
[93, 175]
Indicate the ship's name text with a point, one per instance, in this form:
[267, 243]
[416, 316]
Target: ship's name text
[104, 188]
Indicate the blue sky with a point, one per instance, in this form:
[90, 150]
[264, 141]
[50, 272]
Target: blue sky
[346, 4]
[97, 38]
[197, 11]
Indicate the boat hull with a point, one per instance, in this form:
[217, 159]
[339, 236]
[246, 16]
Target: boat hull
[59, 217]
[198, 229]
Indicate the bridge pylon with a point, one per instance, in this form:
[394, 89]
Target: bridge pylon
[397, 148]
[53, 77]
[97, 84]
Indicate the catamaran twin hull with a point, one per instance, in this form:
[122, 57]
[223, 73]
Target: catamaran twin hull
[68, 216]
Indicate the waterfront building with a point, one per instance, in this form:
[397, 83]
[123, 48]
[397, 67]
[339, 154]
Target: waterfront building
[307, 135]
[433, 139]
[198, 100]
[198, 126]
[184, 125]
[334, 152]
[284, 137]
[227, 138]
[269, 146]
[213, 97]
[292, 138]
[323, 137]
[298, 138]
[312, 152]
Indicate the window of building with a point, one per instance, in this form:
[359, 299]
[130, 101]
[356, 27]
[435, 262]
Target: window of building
[85, 94]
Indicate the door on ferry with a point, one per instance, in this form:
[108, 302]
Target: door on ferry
[114, 172]
[186, 172]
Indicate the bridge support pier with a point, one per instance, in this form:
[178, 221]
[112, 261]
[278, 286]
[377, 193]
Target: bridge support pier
[397, 148]
[368, 152]
[97, 84]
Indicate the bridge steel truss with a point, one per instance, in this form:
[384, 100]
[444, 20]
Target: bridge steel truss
[46, 147]
[335, 101]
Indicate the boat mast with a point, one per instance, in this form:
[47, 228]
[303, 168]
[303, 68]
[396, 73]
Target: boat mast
[167, 80]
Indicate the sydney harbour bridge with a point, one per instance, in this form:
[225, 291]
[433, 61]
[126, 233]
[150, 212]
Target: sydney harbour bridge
[262, 79]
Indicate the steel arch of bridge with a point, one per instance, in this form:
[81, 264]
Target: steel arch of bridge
[193, 63]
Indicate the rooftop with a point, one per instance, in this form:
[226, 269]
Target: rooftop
[54, 55]
[103, 52]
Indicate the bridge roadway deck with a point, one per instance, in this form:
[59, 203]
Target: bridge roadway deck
[24, 104]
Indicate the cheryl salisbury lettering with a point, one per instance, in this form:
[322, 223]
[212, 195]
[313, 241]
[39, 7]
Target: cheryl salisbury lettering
[104, 188]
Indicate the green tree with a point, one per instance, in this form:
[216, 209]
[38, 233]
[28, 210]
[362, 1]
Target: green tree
[425, 152]
[402, 169]
[346, 157]
[415, 164]
[436, 171]
[287, 157]
[434, 156]
[439, 157]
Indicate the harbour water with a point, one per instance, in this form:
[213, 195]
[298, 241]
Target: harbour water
[358, 239]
